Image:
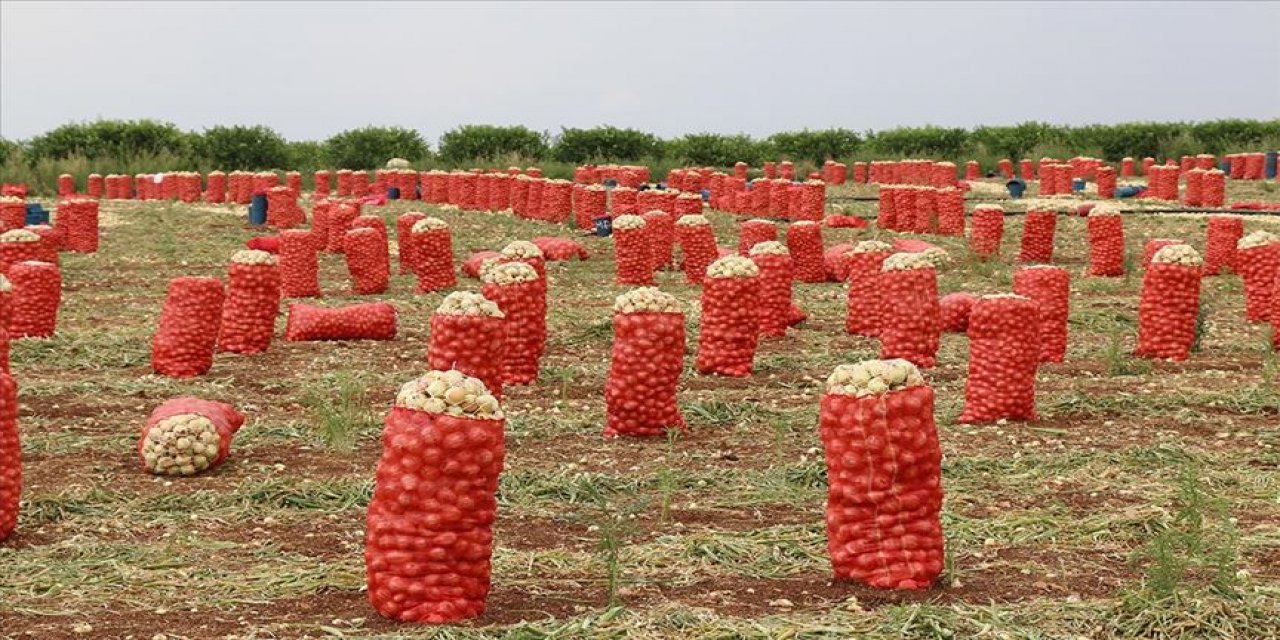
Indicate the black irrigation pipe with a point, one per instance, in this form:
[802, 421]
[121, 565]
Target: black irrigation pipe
[1242, 212]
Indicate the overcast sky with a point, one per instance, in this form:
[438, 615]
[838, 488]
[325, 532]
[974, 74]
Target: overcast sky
[312, 69]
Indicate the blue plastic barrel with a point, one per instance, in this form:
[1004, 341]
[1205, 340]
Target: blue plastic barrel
[258, 209]
[604, 226]
[36, 214]
[1077, 184]
[1016, 188]
[1271, 165]
[1224, 166]
[1128, 191]
[393, 193]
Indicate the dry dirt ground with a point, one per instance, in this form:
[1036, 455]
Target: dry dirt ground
[1145, 502]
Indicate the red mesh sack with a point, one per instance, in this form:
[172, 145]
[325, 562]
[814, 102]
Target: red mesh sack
[522, 296]
[761, 195]
[433, 245]
[367, 260]
[884, 470]
[37, 294]
[1213, 189]
[50, 241]
[253, 300]
[972, 170]
[1194, 194]
[954, 309]
[533, 203]
[835, 263]
[368, 321]
[753, 232]
[22, 245]
[804, 243]
[773, 301]
[341, 217]
[1106, 243]
[633, 250]
[77, 220]
[187, 436]
[10, 457]
[813, 201]
[645, 365]
[887, 216]
[1152, 246]
[988, 231]
[1258, 261]
[1220, 243]
[1038, 229]
[660, 228]
[429, 530]
[1169, 304]
[624, 200]
[590, 202]
[6, 312]
[359, 183]
[950, 208]
[188, 185]
[283, 211]
[1050, 288]
[13, 213]
[474, 264]
[780, 199]
[187, 332]
[66, 184]
[93, 185]
[1026, 170]
[406, 249]
[1106, 182]
[344, 183]
[215, 192]
[558, 249]
[1004, 353]
[270, 244]
[909, 313]
[862, 265]
[467, 334]
[728, 335]
[697, 247]
[740, 170]
[321, 184]
[500, 192]
[299, 264]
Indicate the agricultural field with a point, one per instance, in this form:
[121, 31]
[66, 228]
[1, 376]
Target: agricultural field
[1144, 502]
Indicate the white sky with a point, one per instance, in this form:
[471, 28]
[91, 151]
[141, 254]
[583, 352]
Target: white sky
[312, 69]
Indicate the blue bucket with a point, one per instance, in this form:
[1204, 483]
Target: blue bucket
[1128, 191]
[604, 226]
[1016, 188]
[36, 214]
[393, 193]
[1271, 165]
[1077, 184]
[258, 209]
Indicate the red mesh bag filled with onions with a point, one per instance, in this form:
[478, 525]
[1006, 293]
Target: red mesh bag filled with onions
[253, 300]
[1126, 167]
[863, 263]
[370, 222]
[483, 186]
[187, 436]
[887, 215]
[467, 334]
[560, 249]
[633, 249]
[408, 251]
[954, 309]
[1213, 189]
[773, 300]
[433, 247]
[686, 204]
[804, 243]
[360, 183]
[283, 211]
[1004, 353]
[1106, 242]
[1206, 161]
[761, 194]
[528, 253]
[467, 191]
[753, 232]
[93, 185]
[740, 170]
[429, 531]
[188, 184]
[660, 228]
[264, 181]
[13, 213]
[590, 202]
[35, 298]
[475, 263]
[926, 210]
[519, 194]
[1220, 243]
[697, 246]
[500, 192]
[187, 333]
[884, 470]
[23, 245]
[1193, 195]
[533, 202]
[950, 207]
[522, 296]
[1149, 250]
[649, 200]
[215, 192]
[342, 215]
[1050, 288]
[1258, 262]
[835, 263]
[367, 260]
[909, 313]
[321, 186]
[10, 457]
[988, 231]
[813, 201]
[1169, 304]
[77, 220]
[66, 184]
[780, 199]
[1038, 229]
[299, 264]
[50, 241]
[729, 335]
[368, 321]
[624, 200]
[645, 365]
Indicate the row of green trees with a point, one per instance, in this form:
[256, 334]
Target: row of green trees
[260, 147]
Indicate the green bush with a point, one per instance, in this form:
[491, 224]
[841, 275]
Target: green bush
[720, 150]
[243, 148]
[371, 147]
[488, 142]
[1015, 142]
[305, 155]
[937, 143]
[816, 146]
[8, 148]
[606, 144]
[110, 139]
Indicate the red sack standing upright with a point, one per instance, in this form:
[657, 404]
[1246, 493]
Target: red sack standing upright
[753, 232]
[429, 535]
[21, 245]
[1038, 229]
[884, 470]
[66, 184]
[367, 260]
[37, 294]
[10, 457]
[729, 334]
[955, 309]
[188, 329]
[13, 213]
[589, 202]
[1106, 182]
[187, 436]
[645, 365]
[1004, 353]
[341, 215]
[253, 300]
[1220, 243]
[1258, 261]
[467, 334]
[910, 316]
[988, 231]
[660, 228]
[632, 250]
[528, 253]
[950, 207]
[77, 219]
[299, 264]
[407, 250]
[773, 304]
[432, 245]
[6, 311]
[1050, 288]
[522, 297]
[1213, 188]
[1169, 304]
[1106, 242]
[804, 242]
[697, 246]
[863, 305]
[1154, 245]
